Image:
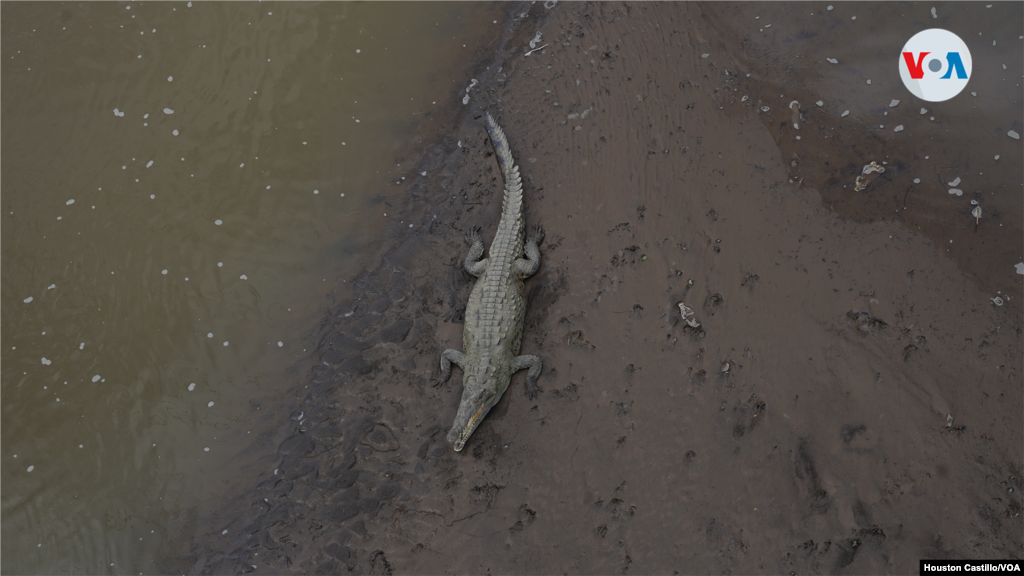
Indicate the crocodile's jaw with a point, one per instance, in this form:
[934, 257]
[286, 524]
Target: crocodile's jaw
[476, 403]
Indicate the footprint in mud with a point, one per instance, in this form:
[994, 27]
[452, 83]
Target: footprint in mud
[524, 517]
[748, 416]
[382, 439]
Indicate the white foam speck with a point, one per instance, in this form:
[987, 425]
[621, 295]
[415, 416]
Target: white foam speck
[1019, 267]
[148, 164]
[242, 165]
[357, 50]
[894, 103]
[220, 264]
[152, 196]
[170, 78]
[955, 182]
[342, 194]
[81, 346]
[70, 202]
[829, 7]
[118, 112]
[210, 405]
[244, 277]
[96, 378]
[303, 143]
[280, 344]
[218, 222]
[27, 300]
[225, 342]
[175, 132]
[209, 334]
[997, 157]
[31, 468]
[917, 180]
[268, 187]
[207, 449]
[898, 128]
[956, 192]
[164, 271]
[189, 4]
[46, 362]
[832, 60]
[845, 114]
[1013, 135]
[191, 386]
[51, 286]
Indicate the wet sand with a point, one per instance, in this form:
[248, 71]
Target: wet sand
[803, 428]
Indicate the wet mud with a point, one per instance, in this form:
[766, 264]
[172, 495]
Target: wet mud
[803, 426]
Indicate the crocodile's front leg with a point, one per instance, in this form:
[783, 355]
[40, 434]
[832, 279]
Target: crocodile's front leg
[449, 357]
[474, 264]
[535, 366]
[527, 266]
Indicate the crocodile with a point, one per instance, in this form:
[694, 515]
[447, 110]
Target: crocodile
[496, 310]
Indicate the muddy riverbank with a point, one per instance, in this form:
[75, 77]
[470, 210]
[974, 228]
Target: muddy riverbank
[802, 428]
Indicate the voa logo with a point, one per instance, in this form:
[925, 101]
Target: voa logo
[935, 65]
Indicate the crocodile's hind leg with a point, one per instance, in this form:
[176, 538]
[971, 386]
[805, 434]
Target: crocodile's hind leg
[449, 357]
[474, 264]
[527, 266]
[535, 366]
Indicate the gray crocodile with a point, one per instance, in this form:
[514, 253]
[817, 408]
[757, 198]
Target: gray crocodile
[496, 309]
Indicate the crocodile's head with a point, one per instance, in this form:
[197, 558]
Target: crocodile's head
[476, 403]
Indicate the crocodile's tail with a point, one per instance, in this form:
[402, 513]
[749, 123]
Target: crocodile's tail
[512, 206]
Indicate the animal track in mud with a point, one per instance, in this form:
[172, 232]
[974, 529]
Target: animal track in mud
[524, 517]
[748, 416]
[626, 256]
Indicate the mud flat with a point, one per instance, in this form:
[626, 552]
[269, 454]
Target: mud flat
[803, 427]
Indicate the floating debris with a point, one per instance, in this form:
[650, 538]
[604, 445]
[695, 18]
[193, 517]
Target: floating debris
[949, 417]
[898, 128]
[924, 111]
[687, 313]
[974, 202]
[795, 118]
[997, 301]
[765, 108]
[867, 174]
[954, 182]
[819, 103]
[1013, 135]
[977, 216]
[536, 40]
[894, 103]
[844, 114]
[725, 367]
[832, 60]
[956, 191]
[1020, 268]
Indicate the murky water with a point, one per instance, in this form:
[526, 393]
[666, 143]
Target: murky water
[183, 186]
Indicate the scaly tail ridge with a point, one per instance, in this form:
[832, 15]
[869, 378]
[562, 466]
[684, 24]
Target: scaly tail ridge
[513, 201]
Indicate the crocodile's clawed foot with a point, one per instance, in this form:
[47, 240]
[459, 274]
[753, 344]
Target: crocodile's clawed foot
[473, 235]
[533, 391]
[536, 234]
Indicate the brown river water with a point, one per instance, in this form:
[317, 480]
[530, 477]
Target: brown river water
[183, 186]
[295, 250]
